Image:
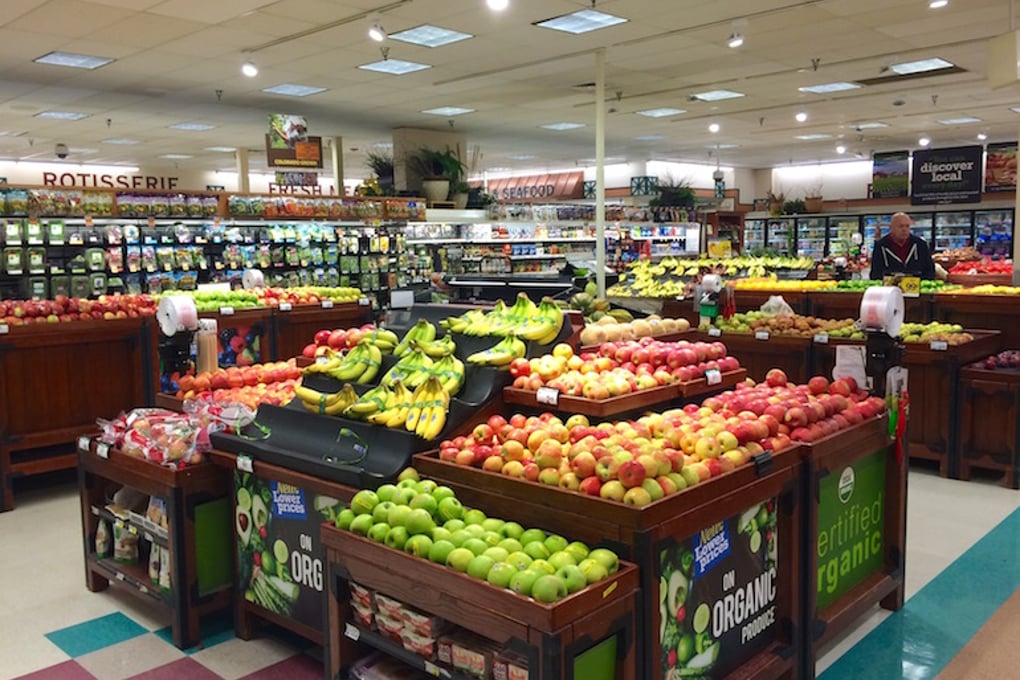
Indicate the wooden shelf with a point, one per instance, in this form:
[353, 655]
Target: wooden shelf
[387, 646]
[134, 576]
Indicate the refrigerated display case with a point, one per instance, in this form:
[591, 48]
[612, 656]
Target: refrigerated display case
[811, 237]
[841, 230]
[875, 227]
[923, 227]
[779, 235]
[953, 230]
[993, 233]
[754, 235]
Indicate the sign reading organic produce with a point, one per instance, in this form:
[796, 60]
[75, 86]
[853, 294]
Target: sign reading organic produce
[946, 176]
[717, 595]
[851, 511]
[289, 146]
[280, 561]
[1000, 167]
[890, 174]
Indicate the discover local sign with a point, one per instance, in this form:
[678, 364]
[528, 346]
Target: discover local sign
[946, 176]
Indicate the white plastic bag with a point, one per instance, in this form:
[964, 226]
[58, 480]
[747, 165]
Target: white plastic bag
[776, 305]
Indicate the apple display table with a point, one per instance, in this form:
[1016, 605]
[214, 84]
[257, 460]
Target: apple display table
[760, 352]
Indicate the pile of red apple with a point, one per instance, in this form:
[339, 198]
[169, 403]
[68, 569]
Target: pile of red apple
[640, 461]
[339, 339]
[269, 383]
[621, 367]
[65, 309]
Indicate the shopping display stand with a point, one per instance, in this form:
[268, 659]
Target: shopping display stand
[647, 534]
[855, 484]
[759, 352]
[197, 538]
[998, 312]
[56, 380]
[550, 636]
[989, 422]
[293, 328]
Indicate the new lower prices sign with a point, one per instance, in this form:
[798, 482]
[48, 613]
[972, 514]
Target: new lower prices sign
[851, 513]
[717, 595]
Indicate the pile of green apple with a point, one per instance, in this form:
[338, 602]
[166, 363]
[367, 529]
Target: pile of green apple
[426, 520]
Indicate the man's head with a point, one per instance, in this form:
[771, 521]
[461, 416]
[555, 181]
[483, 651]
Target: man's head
[899, 227]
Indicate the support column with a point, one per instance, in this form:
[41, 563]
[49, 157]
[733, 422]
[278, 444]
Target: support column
[1016, 240]
[243, 183]
[600, 171]
[336, 163]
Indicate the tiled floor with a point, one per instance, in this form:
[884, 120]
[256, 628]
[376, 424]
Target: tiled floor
[52, 628]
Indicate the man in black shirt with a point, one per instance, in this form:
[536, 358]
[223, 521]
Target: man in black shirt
[900, 252]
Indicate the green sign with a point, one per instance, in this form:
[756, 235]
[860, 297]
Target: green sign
[851, 521]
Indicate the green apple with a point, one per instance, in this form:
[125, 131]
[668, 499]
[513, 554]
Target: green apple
[403, 496]
[519, 560]
[537, 550]
[522, 581]
[426, 486]
[381, 512]
[555, 543]
[549, 588]
[453, 524]
[364, 502]
[593, 570]
[440, 550]
[459, 559]
[344, 519]
[398, 516]
[449, 509]
[653, 488]
[531, 536]
[361, 524]
[475, 545]
[501, 574]
[562, 559]
[408, 474]
[378, 532]
[475, 530]
[498, 554]
[441, 534]
[425, 501]
[474, 517]
[386, 492]
[573, 578]
[397, 537]
[512, 530]
[419, 546]
[578, 550]
[411, 484]
[419, 522]
[479, 567]
[459, 536]
[492, 538]
[542, 567]
[493, 524]
[511, 545]
[441, 492]
[607, 558]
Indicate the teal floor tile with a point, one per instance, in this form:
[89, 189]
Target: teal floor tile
[213, 630]
[91, 636]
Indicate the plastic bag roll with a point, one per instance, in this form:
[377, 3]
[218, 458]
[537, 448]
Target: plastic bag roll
[252, 278]
[882, 309]
[176, 314]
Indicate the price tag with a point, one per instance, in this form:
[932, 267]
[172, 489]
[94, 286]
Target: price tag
[548, 395]
[103, 450]
[119, 523]
[364, 302]
[150, 268]
[119, 576]
[761, 335]
[911, 286]
[285, 307]
[83, 443]
[939, 345]
[327, 304]
[132, 530]
[351, 631]
[226, 311]
[713, 376]
[822, 338]
[95, 511]
[143, 589]
[432, 669]
[4, 329]
[244, 463]
[322, 361]
[714, 332]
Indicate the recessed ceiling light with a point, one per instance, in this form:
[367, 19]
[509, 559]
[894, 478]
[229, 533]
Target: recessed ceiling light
[736, 40]
[583, 21]
[962, 120]
[62, 115]
[661, 113]
[249, 69]
[713, 128]
[721, 146]
[800, 117]
[924, 141]
[175, 156]
[497, 5]
[562, 126]
[292, 90]
[650, 138]
[921, 66]
[937, 4]
[840, 149]
[870, 125]
[82, 151]
[430, 36]
[448, 111]
[826, 88]
[84, 61]
[221, 149]
[716, 95]
[813, 137]
[192, 127]
[982, 136]
[521, 157]
[395, 67]
[121, 141]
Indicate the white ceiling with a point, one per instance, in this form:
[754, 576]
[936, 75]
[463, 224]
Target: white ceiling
[172, 56]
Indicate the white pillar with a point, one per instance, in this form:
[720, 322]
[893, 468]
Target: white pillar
[1016, 240]
[241, 158]
[600, 171]
[336, 163]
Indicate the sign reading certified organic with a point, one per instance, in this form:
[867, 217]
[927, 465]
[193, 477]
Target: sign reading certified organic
[288, 145]
[946, 176]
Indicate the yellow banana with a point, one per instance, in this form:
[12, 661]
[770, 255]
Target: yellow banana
[347, 397]
[353, 364]
[370, 402]
[372, 361]
[331, 360]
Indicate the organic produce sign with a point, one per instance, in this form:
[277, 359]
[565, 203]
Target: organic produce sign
[717, 595]
[280, 561]
[850, 526]
[946, 176]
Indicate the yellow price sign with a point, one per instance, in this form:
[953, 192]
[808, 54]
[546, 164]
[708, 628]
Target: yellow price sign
[911, 286]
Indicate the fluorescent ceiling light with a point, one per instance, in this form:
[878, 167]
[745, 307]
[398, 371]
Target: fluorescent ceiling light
[661, 113]
[249, 69]
[1015, 109]
[800, 117]
[840, 149]
[430, 36]
[562, 126]
[713, 128]
[61, 115]
[82, 151]
[924, 141]
[122, 141]
[292, 90]
[829, 87]
[716, 95]
[721, 146]
[921, 66]
[937, 4]
[175, 156]
[192, 127]
[813, 137]
[395, 67]
[84, 61]
[583, 21]
[982, 136]
[497, 5]
[650, 138]
[384, 145]
[962, 120]
[448, 111]
[870, 125]
[221, 149]
[521, 157]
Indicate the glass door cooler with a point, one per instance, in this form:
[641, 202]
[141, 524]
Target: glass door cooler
[754, 235]
[811, 237]
[953, 230]
[841, 231]
[780, 233]
[993, 233]
[875, 227]
[923, 227]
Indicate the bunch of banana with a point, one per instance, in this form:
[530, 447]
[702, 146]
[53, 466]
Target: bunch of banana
[460, 324]
[324, 403]
[421, 332]
[375, 400]
[501, 354]
[544, 325]
[450, 371]
[399, 400]
[427, 415]
[385, 340]
[501, 320]
[412, 369]
[329, 361]
[361, 364]
[436, 349]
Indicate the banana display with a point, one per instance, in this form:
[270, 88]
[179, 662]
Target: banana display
[385, 340]
[525, 319]
[422, 411]
[360, 364]
[501, 354]
[423, 333]
[323, 403]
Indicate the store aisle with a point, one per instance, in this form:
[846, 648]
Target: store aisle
[963, 538]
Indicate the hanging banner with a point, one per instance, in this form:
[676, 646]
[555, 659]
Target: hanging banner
[289, 146]
[1000, 167]
[890, 174]
[946, 176]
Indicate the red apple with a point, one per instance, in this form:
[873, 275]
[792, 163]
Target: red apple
[818, 385]
[775, 378]
[840, 387]
[322, 337]
[590, 486]
[631, 473]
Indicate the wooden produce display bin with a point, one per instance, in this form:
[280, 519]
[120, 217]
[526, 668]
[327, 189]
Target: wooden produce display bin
[292, 515]
[247, 330]
[551, 636]
[703, 541]
[673, 308]
[847, 305]
[198, 519]
[295, 328]
[55, 380]
[996, 312]
[757, 356]
[855, 531]
[989, 422]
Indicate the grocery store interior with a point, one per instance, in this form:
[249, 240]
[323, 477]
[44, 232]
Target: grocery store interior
[587, 285]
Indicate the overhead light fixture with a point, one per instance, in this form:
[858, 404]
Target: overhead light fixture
[921, 66]
[716, 95]
[736, 40]
[722, 146]
[982, 136]
[812, 137]
[713, 128]
[1015, 109]
[650, 138]
[293, 90]
[497, 5]
[448, 111]
[120, 141]
[521, 157]
[394, 67]
[192, 127]
[661, 113]
[376, 32]
[61, 115]
[870, 125]
[221, 149]
[249, 69]
[826, 88]
[499, 169]
[840, 149]
[559, 127]
[175, 156]
[800, 117]
[428, 35]
[73, 60]
[962, 120]
[583, 21]
[82, 151]
[924, 141]
[937, 4]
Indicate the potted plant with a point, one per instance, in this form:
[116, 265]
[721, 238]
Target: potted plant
[459, 193]
[673, 195]
[438, 170]
[813, 198]
[777, 202]
[381, 165]
[794, 206]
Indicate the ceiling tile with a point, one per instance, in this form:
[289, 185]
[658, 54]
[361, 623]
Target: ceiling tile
[207, 12]
[71, 18]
